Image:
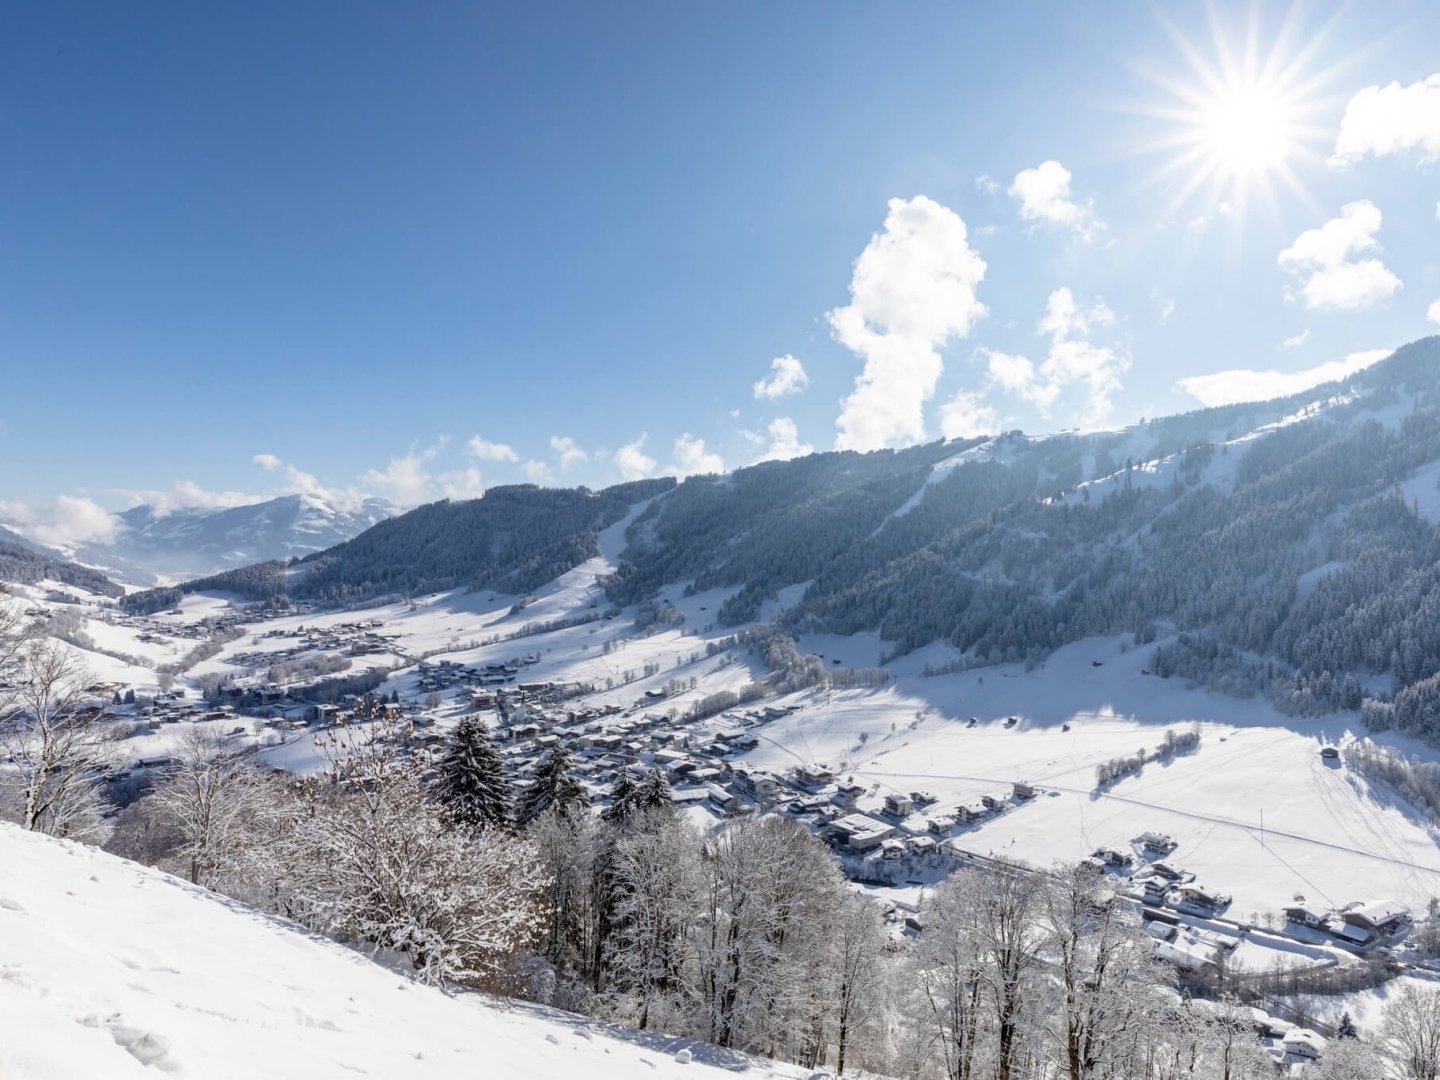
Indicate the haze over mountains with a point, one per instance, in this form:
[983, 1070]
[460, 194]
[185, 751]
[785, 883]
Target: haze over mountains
[152, 546]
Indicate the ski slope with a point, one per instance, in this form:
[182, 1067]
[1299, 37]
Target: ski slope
[112, 970]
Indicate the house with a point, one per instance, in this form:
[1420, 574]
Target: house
[1302, 1042]
[992, 802]
[1111, 857]
[1330, 753]
[1201, 897]
[892, 848]
[813, 774]
[1166, 870]
[1023, 790]
[939, 826]
[858, 832]
[1302, 915]
[847, 795]
[1154, 841]
[898, 804]
[1380, 918]
[324, 714]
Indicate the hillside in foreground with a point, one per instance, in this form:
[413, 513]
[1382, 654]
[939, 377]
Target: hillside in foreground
[110, 969]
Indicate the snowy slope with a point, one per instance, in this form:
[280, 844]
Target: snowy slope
[109, 969]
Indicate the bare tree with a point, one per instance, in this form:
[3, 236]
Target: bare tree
[856, 965]
[206, 799]
[1104, 977]
[1410, 1034]
[58, 744]
[1010, 939]
[947, 974]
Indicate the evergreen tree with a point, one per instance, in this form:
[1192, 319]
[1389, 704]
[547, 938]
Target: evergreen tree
[1346, 1030]
[471, 784]
[622, 798]
[631, 796]
[553, 787]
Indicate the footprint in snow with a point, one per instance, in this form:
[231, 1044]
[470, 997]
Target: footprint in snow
[12, 905]
[145, 1047]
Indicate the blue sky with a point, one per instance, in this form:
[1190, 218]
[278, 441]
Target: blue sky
[419, 250]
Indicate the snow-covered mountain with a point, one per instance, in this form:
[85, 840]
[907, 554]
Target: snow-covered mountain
[110, 969]
[187, 542]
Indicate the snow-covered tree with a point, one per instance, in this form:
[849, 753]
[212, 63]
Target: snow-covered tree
[553, 787]
[632, 796]
[206, 799]
[57, 743]
[470, 782]
[1410, 1034]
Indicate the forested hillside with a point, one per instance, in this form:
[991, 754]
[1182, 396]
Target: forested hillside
[1286, 547]
[513, 539]
[24, 565]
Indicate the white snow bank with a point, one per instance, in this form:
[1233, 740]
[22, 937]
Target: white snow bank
[110, 969]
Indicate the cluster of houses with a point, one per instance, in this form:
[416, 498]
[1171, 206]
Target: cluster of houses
[1360, 924]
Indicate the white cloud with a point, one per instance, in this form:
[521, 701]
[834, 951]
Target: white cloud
[1247, 384]
[567, 451]
[1044, 195]
[633, 462]
[987, 184]
[691, 457]
[965, 416]
[1296, 341]
[1065, 318]
[1433, 314]
[463, 483]
[482, 449]
[297, 482]
[405, 480]
[69, 520]
[784, 441]
[268, 462]
[912, 290]
[1071, 362]
[1390, 119]
[787, 376]
[1321, 259]
[537, 472]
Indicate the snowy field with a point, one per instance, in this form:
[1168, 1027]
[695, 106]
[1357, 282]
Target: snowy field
[1257, 813]
[112, 970]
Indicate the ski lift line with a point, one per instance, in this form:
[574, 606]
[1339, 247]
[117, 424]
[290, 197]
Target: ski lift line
[1213, 818]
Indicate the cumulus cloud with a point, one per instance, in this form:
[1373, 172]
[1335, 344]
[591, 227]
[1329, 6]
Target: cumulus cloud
[1044, 195]
[463, 483]
[1072, 362]
[787, 376]
[482, 449]
[1296, 341]
[1248, 384]
[965, 415]
[691, 457]
[406, 479]
[297, 482]
[911, 291]
[1433, 314]
[784, 442]
[633, 462]
[537, 472]
[1391, 119]
[567, 452]
[986, 184]
[67, 521]
[1322, 261]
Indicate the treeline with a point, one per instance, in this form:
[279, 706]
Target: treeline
[25, 566]
[1414, 779]
[1117, 768]
[260, 583]
[513, 539]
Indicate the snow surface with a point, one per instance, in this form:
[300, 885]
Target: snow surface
[112, 970]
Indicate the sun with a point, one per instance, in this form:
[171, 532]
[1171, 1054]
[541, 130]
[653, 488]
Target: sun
[1236, 119]
[1247, 131]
